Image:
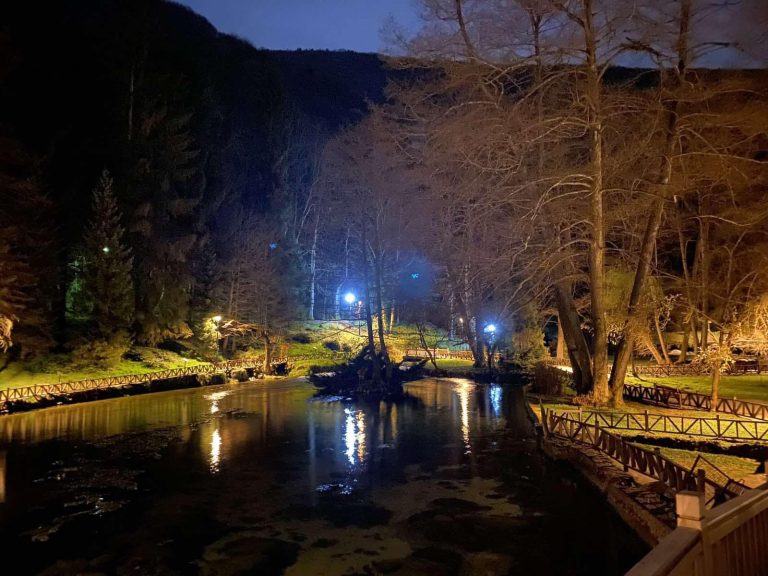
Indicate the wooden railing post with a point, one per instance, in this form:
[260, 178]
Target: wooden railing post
[689, 509]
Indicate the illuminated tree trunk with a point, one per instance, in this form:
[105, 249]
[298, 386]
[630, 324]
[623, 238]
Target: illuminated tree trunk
[578, 351]
[375, 365]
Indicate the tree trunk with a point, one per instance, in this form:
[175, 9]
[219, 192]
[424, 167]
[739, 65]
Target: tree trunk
[662, 343]
[600, 391]
[267, 368]
[578, 351]
[649, 344]
[378, 267]
[313, 269]
[560, 350]
[684, 344]
[375, 365]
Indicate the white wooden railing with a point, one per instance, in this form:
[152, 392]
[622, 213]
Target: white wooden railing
[728, 540]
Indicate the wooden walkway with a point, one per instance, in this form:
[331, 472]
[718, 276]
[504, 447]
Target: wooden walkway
[48, 391]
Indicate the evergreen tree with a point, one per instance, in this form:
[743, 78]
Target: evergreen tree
[108, 263]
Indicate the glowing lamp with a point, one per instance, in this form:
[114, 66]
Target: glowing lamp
[216, 319]
[349, 298]
[491, 328]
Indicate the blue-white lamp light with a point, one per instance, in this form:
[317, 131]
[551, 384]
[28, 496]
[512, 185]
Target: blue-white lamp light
[349, 298]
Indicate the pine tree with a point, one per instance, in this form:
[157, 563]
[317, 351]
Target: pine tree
[109, 263]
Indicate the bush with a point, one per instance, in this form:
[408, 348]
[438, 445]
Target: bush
[100, 353]
[301, 338]
[240, 375]
[550, 380]
[332, 345]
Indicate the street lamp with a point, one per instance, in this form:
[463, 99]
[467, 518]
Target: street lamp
[350, 298]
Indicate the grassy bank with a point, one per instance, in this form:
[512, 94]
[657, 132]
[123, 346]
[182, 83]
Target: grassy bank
[310, 344]
[55, 368]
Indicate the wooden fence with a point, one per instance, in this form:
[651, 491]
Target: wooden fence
[707, 427]
[728, 540]
[41, 391]
[649, 462]
[440, 353]
[674, 398]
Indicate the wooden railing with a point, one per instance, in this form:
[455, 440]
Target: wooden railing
[667, 370]
[675, 398]
[728, 540]
[40, 391]
[552, 361]
[440, 353]
[648, 462]
[707, 427]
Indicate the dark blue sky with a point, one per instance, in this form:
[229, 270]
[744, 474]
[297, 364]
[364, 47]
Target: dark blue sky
[291, 24]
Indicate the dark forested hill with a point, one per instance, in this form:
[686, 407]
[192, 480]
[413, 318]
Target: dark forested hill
[190, 124]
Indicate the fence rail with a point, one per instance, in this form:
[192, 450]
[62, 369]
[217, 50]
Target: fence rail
[41, 391]
[728, 540]
[674, 398]
[649, 462]
[440, 353]
[707, 427]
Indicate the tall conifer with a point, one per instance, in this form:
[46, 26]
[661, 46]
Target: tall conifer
[108, 263]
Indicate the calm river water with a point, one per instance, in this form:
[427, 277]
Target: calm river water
[264, 478]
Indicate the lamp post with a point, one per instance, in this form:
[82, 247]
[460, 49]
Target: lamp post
[490, 332]
[350, 298]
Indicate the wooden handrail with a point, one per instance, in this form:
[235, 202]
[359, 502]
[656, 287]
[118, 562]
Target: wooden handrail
[649, 462]
[660, 395]
[38, 391]
[729, 540]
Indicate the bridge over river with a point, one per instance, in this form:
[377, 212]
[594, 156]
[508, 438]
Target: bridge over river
[264, 478]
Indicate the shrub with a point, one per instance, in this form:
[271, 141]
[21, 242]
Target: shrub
[100, 353]
[332, 345]
[301, 338]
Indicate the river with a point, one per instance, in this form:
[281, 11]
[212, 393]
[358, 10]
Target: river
[264, 478]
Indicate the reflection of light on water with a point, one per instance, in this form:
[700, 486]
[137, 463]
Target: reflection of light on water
[215, 457]
[495, 394]
[464, 389]
[214, 398]
[354, 436]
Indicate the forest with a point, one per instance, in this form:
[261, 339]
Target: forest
[581, 162]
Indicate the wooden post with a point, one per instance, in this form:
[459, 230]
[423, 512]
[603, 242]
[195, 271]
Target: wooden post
[646, 421]
[718, 425]
[701, 476]
[689, 509]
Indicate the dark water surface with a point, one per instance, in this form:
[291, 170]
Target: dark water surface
[262, 478]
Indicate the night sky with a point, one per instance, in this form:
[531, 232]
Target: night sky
[322, 24]
[357, 25]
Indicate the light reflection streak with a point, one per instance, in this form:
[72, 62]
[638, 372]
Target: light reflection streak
[464, 389]
[354, 436]
[215, 456]
[495, 394]
[215, 397]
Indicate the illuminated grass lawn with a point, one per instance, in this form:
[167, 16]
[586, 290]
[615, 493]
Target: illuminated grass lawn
[748, 386]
